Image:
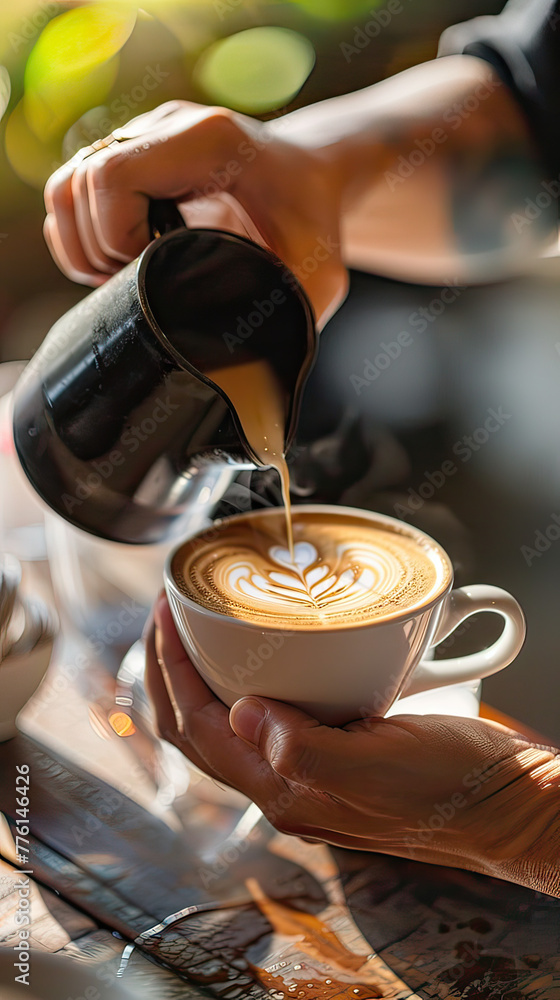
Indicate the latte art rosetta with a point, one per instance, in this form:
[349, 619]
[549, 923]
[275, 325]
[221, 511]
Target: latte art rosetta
[345, 571]
[359, 573]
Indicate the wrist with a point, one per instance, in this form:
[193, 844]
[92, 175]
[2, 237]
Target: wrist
[512, 827]
[340, 138]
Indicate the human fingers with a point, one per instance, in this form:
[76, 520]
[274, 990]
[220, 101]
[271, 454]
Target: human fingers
[203, 723]
[289, 777]
[385, 770]
[85, 227]
[177, 159]
[137, 126]
[61, 237]
[68, 227]
[205, 735]
[379, 761]
[297, 746]
[341, 786]
[165, 717]
[174, 159]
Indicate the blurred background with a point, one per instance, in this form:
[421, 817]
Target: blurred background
[71, 72]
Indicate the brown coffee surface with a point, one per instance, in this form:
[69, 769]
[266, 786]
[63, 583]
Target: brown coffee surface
[347, 570]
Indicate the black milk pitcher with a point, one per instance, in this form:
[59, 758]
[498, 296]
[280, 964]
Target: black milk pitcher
[115, 414]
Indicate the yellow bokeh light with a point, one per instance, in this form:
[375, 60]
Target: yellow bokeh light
[257, 70]
[32, 160]
[73, 66]
[79, 40]
[48, 115]
[21, 23]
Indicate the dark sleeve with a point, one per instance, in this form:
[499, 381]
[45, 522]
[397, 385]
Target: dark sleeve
[523, 45]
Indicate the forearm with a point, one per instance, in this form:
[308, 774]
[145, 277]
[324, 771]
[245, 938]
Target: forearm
[515, 827]
[359, 133]
[501, 817]
[402, 153]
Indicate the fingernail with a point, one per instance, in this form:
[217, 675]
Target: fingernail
[247, 717]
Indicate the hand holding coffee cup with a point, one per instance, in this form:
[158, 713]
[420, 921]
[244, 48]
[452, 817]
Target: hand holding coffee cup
[343, 629]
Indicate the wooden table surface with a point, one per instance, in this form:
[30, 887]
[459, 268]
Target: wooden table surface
[111, 856]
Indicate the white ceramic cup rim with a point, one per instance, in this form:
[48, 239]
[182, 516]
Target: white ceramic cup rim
[403, 528]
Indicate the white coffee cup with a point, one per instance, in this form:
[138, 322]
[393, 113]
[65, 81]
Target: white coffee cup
[338, 675]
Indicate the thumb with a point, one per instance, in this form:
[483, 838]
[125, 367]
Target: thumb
[295, 745]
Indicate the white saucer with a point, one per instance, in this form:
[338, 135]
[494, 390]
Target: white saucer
[453, 699]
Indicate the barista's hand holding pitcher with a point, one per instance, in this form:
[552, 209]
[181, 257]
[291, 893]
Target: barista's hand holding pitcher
[214, 162]
[314, 185]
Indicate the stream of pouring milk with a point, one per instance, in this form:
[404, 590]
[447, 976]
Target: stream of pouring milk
[259, 401]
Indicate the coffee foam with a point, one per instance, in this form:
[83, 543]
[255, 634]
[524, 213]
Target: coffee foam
[347, 570]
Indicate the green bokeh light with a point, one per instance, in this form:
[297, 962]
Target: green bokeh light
[336, 10]
[73, 65]
[256, 70]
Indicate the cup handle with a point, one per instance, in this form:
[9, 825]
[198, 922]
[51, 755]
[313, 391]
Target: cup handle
[461, 604]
